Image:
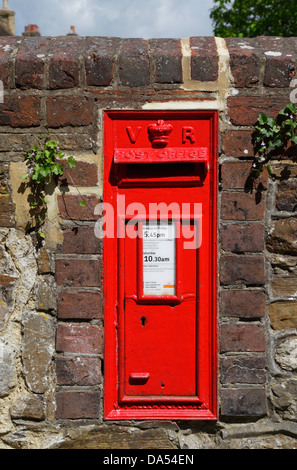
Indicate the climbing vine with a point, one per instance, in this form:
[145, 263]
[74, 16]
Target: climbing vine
[45, 165]
[272, 136]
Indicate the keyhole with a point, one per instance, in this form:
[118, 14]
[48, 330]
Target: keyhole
[162, 385]
[143, 321]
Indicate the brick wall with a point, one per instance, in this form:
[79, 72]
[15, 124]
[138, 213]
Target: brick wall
[61, 85]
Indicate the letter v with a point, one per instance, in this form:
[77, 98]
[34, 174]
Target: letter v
[133, 135]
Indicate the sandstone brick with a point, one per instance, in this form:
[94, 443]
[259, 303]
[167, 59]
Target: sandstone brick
[168, 60]
[80, 305]
[243, 369]
[245, 61]
[30, 62]
[286, 197]
[70, 208]
[7, 210]
[99, 55]
[204, 59]
[81, 240]
[242, 238]
[64, 62]
[65, 111]
[243, 402]
[242, 303]
[77, 404]
[242, 338]
[78, 273]
[28, 407]
[134, 63]
[82, 371]
[79, 339]
[242, 206]
[20, 111]
[238, 144]
[244, 110]
[242, 270]
[283, 315]
[283, 236]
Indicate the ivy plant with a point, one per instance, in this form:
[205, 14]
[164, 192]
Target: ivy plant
[45, 165]
[273, 136]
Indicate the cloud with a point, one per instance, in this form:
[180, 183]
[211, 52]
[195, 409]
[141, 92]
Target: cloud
[123, 18]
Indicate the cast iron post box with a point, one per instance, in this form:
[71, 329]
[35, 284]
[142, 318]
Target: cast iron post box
[160, 256]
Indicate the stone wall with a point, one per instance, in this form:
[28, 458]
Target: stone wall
[51, 301]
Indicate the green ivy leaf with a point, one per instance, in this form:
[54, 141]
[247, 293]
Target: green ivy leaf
[82, 203]
[71, 162]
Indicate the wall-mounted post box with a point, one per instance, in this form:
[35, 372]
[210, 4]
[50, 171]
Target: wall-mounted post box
[160, 258]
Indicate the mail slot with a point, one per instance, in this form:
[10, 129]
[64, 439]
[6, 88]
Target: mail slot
[159, 226]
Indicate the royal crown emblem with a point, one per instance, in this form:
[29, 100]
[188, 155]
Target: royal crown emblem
[159, 133]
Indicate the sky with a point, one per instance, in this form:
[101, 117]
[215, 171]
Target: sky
[121, 18]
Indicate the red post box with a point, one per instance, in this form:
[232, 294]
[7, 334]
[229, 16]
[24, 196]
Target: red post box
[159, 226]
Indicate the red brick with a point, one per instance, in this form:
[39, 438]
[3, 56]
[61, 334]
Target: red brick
[242, 238]
[236, 175]
[204, 59]
[81, 240]
[17, 111]
[80, 305]
[77, 405]
[83, 174]
[79, 339]
[64, 62]
[280, 68]
[243, 402]
[242, 303]
[242, 338]
[74, 111]
[30, 62]
[244, 110]
[99, 55]
[237, 143]
[168, 60]
[70, 208]
[246, 270]
[78, 371]
[243, 369]
[7, 45]
[242, 206]
[245, 61]
[78, 273]
[134, 68]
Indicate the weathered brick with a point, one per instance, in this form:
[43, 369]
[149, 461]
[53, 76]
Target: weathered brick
[20, 111]
[242, 303]
[78, 371]
[236, 175]
[64, 62]
[80, 305]
[282, 237]
[286, 196]
[243, 402]
[70, 208]
[242, 338]
[77, 404]
[78, 273]
[81, 240]
[79, 339]
[66, 111]
[242, 206]
[134, 67]
[237, 143]
[242, 238]
[83, 174]
[168, 60]
[7, 46]
[244, 110]
[204, 59]
[243, 369]
[7, 210]
[99, 55]
[237, 270]
[30, 62]
[245, 61]
[280, 62]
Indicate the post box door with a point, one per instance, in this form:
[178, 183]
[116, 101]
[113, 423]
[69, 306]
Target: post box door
[159, 267]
